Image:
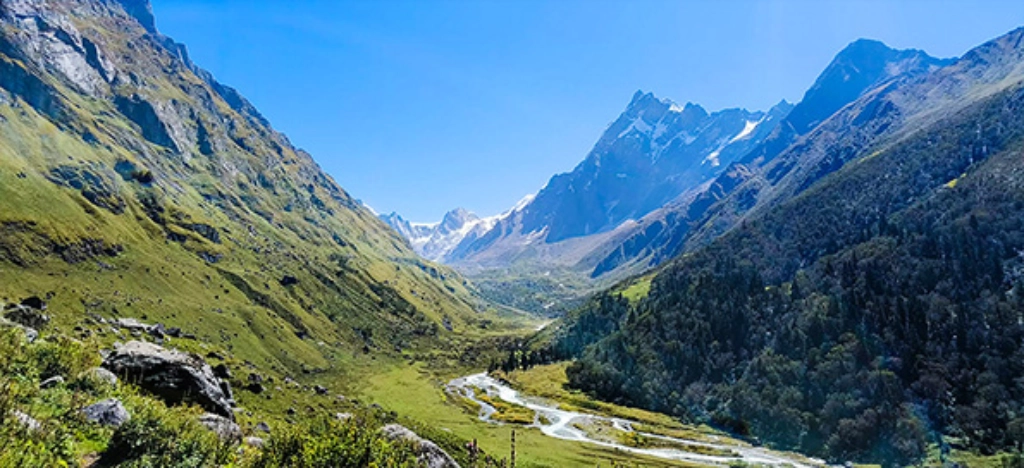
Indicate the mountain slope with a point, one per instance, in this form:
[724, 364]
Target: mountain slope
[134, 184]
[858, 69]
[873, 313]
[652, 153]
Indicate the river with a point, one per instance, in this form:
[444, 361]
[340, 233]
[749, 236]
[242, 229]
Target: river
[559, 423]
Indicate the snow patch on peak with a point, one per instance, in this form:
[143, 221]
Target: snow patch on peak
[521, 203]
[748, 128]
[638, 125]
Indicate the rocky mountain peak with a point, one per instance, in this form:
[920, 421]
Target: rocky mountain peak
[456, 219]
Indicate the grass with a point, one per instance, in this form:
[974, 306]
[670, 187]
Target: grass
[507, 412]
[638, 289]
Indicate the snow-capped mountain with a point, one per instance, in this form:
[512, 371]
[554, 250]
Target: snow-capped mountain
[654, 152]
[436, 241]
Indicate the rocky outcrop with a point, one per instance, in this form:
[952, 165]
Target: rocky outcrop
[174, 376]
[429, 454]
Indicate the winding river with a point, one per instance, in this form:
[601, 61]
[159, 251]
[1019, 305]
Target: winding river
[559, 423]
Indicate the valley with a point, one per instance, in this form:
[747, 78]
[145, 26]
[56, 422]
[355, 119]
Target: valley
[834, 281]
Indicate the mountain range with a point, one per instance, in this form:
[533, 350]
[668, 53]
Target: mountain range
[645, 192]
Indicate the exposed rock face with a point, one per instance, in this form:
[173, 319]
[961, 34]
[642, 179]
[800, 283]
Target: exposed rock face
[225, 428]
[173, 375]
[109, 412]
[430, 455]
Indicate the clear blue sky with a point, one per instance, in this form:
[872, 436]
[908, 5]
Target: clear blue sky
[419, 106]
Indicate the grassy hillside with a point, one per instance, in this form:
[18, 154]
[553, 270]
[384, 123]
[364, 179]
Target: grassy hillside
[132, 184]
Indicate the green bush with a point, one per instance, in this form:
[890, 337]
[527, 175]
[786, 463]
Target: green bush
[160, 436]
[326, 442]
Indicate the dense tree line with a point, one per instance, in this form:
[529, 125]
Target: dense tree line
[879, 312]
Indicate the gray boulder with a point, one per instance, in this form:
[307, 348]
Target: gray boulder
[172, 375]
[109, 412]
[131, 324]
[254, 442]
[263, 427]
[102, 375]
[428, 453]
[225, 428]
[27, 316]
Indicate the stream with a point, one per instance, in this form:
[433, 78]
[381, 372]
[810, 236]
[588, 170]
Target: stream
[559, 423]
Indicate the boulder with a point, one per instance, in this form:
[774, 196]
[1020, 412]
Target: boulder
[27, 316]
[263, 427]
[102, 375]
[254, 442]
[428, 453]
[225, 428]
[34, 302]
[172, 375]
[131, 325]
[109, 412]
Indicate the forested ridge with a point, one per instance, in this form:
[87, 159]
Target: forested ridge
[877, 313]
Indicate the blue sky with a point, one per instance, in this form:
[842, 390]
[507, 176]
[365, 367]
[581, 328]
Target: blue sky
[420, 107]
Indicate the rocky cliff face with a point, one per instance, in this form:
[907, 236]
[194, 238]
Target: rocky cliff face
[118, 151]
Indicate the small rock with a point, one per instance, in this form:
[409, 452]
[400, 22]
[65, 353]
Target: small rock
[288, 280]
[263, 427]
[225, 428]
[27, 421]
[51, 382]
[158, 330]
[102, 375]
[173, 332]
[214, 355]
[320, 390]
[291, 411]
[109, 412]
[342, 416]
[222, 371]
[254, 442]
